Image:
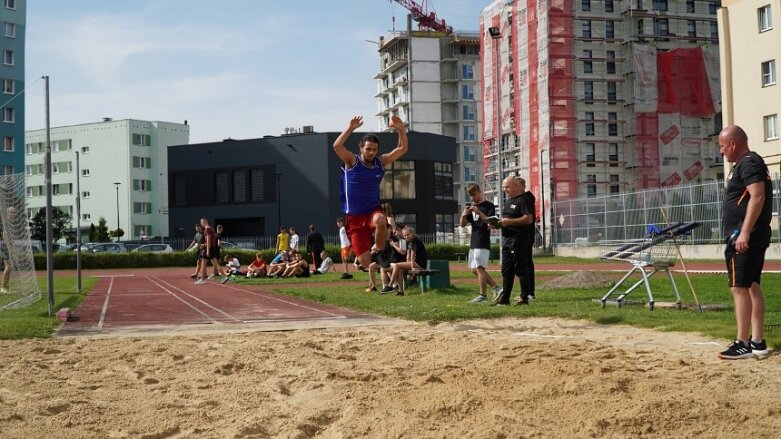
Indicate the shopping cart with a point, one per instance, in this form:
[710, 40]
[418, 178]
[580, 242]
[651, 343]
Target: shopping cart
[655, 252]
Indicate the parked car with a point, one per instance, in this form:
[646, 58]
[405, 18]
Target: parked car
[154, 248]
[108, 247]
[238, 245]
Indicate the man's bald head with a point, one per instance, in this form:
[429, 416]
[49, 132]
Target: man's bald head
[733, 142]
[512, 186]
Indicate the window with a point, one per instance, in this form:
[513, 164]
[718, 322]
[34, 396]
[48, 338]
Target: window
[85, 172]
[28, 170]
[712, 8]
[221, 192]
[142, 208]
[765, 18]
[8, 115]
[469, 133]
[608, 5]
[714, 30]
[256, 185]
[610, 29]
[612, 126]
[85, 194]
[142, 139]
[8, 170]
[10, 4]
[85, 149]
[9, 87]
[55, 168]
[690, 6]
[587, 63]
[586, 29]
[640, 27]
[142, 162]
[771, 127]
[591, 155]
[469, 112]
[86, 217]
[142, 185]
[239, 186]
[611, 63]
[469, 153]
[612, 154]
[768, 73]
[8, 57]
[588, 92]
[444, 223]
[589, 123]
[10, 30]
[470, 175]
[399, 181]
[443, 181]
[467, 71]
[142, 230]
[691, 29]
[591, 188]
[29, 191]
[612, 95]
[614, 184]
[659, 5]
[661, 27]
[61, 145]
[8, 144]
[468, 91]
[585, 5]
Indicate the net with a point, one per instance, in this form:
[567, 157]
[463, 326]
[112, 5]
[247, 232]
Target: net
[16, 248]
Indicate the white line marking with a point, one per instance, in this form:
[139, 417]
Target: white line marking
[105, 305]
[116, 275]
[530, 334]
[192, 297]
[268, 296]
[294, 319]
[184, 301]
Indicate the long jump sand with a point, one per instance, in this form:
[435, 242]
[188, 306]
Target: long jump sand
[484, 379]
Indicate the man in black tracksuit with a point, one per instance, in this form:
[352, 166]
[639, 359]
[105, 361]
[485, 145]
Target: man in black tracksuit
[517, 225]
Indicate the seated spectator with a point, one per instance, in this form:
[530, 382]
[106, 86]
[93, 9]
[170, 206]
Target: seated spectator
[297, 267]
[396, 250]
[258, 267]
[416, 259]
[232, 266]
[278, 264]
[325, 265]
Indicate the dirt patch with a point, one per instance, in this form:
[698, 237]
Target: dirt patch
[579, 279]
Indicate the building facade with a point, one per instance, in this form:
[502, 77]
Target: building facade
[432, 81]
[13, 22]
[121, 175]
[585, 98]
[749, 52]
[253, 186]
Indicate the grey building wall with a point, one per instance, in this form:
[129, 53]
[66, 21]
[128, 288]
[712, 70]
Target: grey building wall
[308, 184]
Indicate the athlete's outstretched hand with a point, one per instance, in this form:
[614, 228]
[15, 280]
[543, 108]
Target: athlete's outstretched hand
[396, 123]
[356, 122]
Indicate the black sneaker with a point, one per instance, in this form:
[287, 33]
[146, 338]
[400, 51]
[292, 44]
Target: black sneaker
[759, 348]
[347, 276]
[736, 351]
[386, 290]
[382, 260]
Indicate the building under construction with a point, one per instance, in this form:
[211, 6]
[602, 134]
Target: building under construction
[585, 98]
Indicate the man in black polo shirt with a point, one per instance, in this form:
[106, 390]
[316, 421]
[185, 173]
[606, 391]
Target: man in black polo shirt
[747, 214]
[517, 215]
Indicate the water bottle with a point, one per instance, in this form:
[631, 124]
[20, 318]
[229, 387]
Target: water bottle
[733, 237]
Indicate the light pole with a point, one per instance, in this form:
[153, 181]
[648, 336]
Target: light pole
[279, 202]
[542, 197]
[117, 186]
[496, 34]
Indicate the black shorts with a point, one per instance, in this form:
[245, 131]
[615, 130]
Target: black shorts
[212, 253]
[304, 273]
[743, 269]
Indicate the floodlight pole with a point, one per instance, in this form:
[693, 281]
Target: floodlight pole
[78, 225]
[49, 233]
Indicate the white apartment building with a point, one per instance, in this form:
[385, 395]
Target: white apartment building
[432, 81]
[750, 52]
[122, 172]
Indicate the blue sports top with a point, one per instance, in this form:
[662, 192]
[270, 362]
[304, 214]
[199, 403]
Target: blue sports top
[360, 187]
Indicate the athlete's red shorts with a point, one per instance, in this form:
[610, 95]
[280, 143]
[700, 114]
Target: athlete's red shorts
[360, 229]
[345, 253]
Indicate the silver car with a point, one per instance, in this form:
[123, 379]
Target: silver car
[154, 248]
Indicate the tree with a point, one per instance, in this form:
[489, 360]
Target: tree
[102, 233]
[116, 233]
[93, 233]
[61, 221]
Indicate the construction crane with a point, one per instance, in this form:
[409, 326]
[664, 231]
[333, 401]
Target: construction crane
[425, 19]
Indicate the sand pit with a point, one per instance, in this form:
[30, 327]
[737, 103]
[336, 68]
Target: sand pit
[579, 279]
[502, 378]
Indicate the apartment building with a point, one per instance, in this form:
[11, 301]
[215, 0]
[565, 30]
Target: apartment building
[749, 50]
[585, 98]
[432, 81]
[121, 172]
[12, 20]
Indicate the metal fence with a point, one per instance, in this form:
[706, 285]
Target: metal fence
[620, 217]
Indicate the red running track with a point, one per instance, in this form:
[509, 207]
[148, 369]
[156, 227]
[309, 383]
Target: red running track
[127, 300]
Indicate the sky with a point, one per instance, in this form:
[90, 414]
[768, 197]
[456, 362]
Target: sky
[233, 68]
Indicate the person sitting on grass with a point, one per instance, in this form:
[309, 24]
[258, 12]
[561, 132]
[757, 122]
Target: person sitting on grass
[325, 265]
[258, 267]
[297, 267]
[278, 264]
[232, 266]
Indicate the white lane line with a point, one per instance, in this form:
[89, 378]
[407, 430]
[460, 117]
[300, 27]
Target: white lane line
[294, 319]
[105, 304]
[531, 334]
[206, 316]
[156, 280]
[268, 296]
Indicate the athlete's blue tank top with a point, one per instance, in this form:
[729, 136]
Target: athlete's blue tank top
[360, 187]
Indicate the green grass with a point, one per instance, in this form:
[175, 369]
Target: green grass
[573, 303]
[33, 321]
